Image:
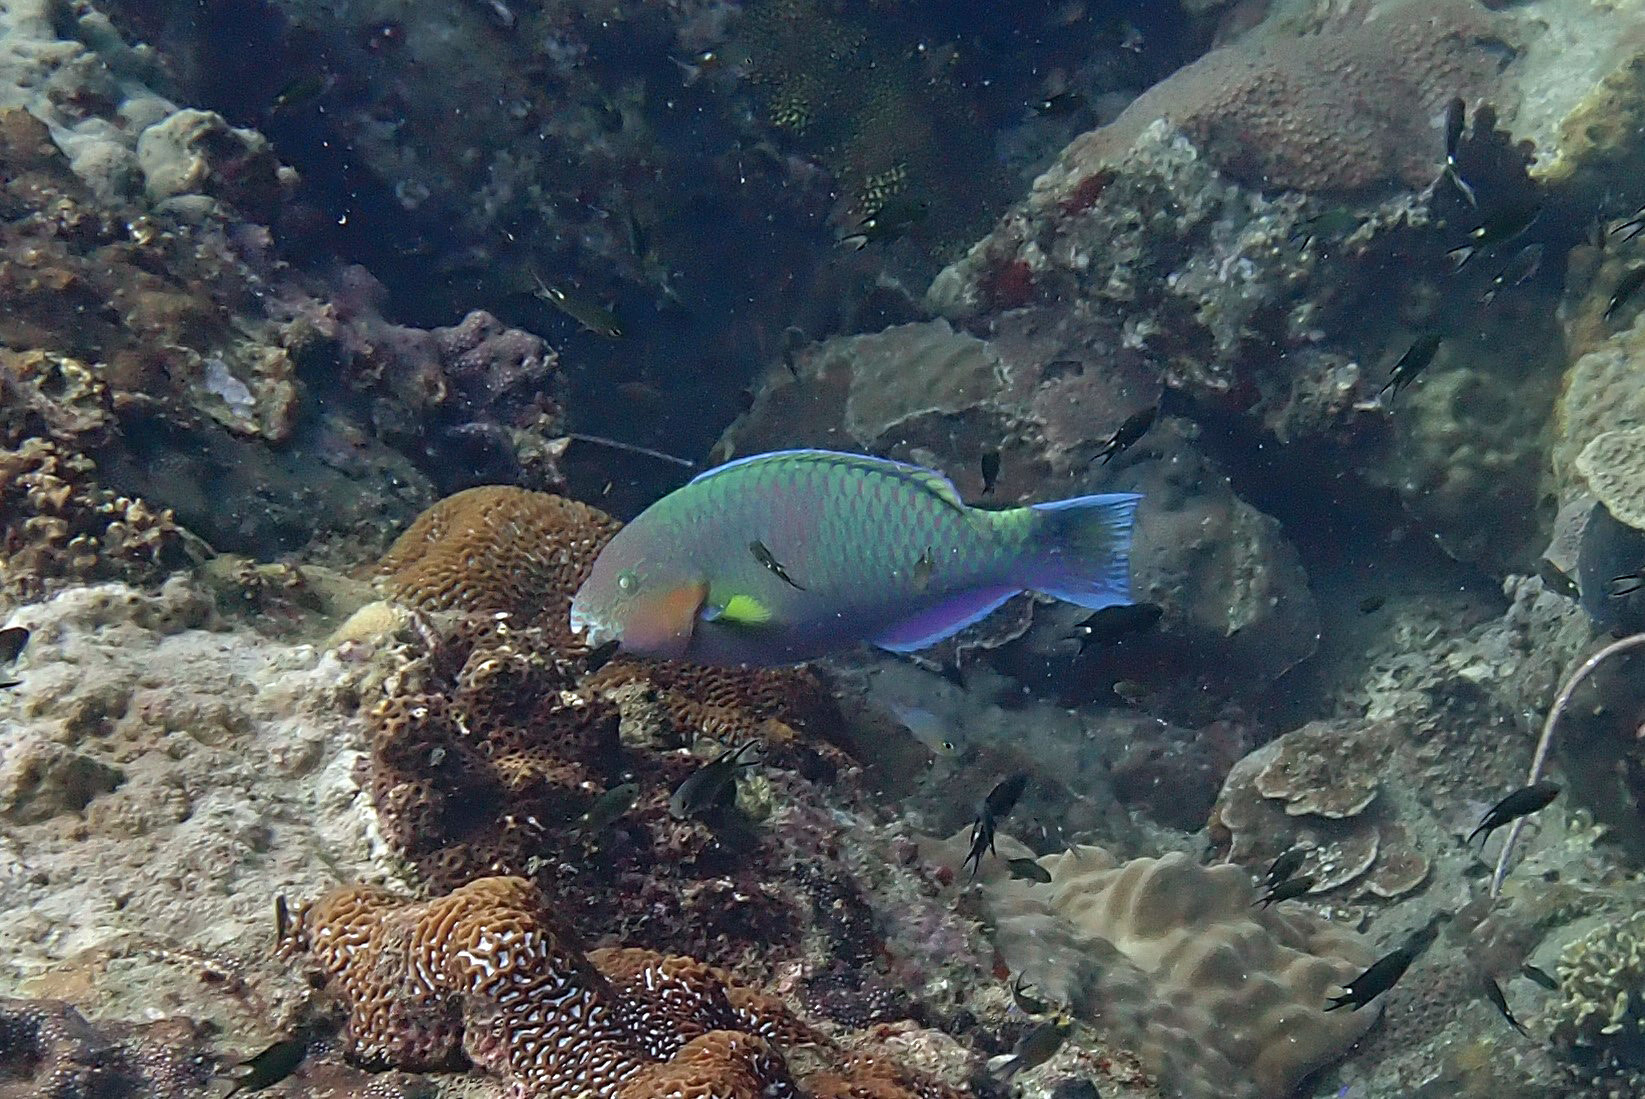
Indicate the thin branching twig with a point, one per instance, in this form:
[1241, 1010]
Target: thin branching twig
[1546, 741]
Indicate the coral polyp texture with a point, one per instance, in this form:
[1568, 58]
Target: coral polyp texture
[486, 755]
[1217, 997]
[1598, 1022]
[1335, 112]
[497, 549]
[488, 972]
[58, 525]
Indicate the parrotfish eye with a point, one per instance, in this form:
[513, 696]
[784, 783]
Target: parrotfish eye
[627, 581]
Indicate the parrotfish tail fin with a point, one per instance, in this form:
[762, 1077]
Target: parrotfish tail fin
[1082, 549]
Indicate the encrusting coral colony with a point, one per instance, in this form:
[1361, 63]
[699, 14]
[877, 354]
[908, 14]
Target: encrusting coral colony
[332, 360]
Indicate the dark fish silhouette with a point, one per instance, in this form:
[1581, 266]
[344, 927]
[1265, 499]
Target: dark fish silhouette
[705, 786]
[1029, 870]
[269, 1067]
[600, 655]
[1620, 587]
[1456, 120]
[1493, 992]
[1413, 362]
[1539, 977]
[1384, 973]
[1371, 604]
[1034, 1048]
[592, 316]
[1028, 1005]
[1113, 623]
[1557, 580]
[1521, 269]
[12, 640]
[1632, 227]
[1283, 867]
[764, 557]
[1063, 103]
[995, 808]
[1499, 229]
[890, 221]
[1288, 890]
[1126, 435]
[1626, 288]
[1522, 802]
[990, 470]
[608, 808]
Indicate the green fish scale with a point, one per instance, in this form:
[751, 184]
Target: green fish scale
[852, 537]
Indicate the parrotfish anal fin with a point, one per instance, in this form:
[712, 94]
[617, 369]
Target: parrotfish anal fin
[928, 479]
[661, 624]
[945, 619]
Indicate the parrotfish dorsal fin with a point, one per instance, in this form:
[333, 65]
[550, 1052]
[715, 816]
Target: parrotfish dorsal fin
[927, 479]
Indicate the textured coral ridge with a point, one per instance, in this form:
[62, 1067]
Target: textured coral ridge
[1331, 112]
[1217, 997]
[485, 755]
[486, 970]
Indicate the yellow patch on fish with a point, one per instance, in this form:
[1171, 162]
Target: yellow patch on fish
[744, 610]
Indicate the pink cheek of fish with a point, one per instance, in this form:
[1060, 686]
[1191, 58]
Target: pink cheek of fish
[661, 624]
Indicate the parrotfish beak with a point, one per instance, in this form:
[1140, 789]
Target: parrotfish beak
[594, 634]
[657, 625]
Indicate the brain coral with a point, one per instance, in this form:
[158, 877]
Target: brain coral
[1218, 998]
[487, 970]
[497, 548]
[1330, 112]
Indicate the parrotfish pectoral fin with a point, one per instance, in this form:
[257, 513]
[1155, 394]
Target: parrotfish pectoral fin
[739, 610]
[660, 625]
[1084, 549]
[945, 619]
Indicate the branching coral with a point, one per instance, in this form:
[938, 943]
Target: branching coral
[1598, 1024]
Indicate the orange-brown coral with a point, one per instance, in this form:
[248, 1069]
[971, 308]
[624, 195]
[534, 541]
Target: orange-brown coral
[488, 970]
[498, 549]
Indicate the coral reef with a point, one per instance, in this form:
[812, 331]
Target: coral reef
[1613, 465]
[487, 968]
[1321, 788]
[152, 326]
[50, 1050]
[1342, 111]
[163, 775]
[1166, 953]
[60, 526]
[1597, 1025]
[524, 743]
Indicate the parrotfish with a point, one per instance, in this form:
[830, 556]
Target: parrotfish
[873, 550]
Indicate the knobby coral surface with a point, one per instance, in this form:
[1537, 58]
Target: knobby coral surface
[487, 971]
[1218, 997]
